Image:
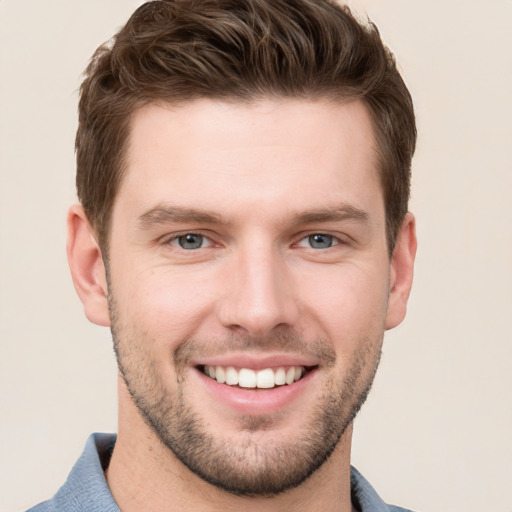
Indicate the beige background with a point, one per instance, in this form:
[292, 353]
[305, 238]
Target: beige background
[436, 433]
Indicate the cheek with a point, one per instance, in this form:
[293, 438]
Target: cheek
[168, 305]
[348, 302]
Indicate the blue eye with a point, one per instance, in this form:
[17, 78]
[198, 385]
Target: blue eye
[190, 241]
[318, 241]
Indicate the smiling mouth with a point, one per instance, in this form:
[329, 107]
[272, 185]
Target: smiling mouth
[250, 379]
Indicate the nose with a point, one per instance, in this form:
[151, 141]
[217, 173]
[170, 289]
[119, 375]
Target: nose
[259, 294]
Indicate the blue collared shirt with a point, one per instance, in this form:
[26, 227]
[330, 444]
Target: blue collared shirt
[86, 489]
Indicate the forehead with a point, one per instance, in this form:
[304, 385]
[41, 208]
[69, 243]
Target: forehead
[234, 154]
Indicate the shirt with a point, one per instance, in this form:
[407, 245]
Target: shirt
[86, 489]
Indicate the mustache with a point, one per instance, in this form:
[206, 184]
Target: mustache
[282, 342]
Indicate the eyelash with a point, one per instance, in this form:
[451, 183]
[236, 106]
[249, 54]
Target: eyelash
[331, 239]
[176, 238]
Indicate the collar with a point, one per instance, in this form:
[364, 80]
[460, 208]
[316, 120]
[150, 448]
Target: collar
[86, 489]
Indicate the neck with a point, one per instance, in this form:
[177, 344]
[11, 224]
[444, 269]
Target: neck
[144, 475]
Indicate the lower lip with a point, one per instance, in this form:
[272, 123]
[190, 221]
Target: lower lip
[255, 401]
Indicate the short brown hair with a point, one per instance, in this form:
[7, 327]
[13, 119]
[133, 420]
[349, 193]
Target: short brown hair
[180, 50]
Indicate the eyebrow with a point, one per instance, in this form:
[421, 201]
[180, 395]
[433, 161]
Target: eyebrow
[164, 214]
[341, 213]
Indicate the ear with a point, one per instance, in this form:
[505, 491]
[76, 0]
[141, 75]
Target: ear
[402, 267]
[87, 268]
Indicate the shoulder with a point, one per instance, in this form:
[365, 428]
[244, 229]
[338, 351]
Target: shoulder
[365, 497]
[42, 507]
[47, 506]
[85, 488]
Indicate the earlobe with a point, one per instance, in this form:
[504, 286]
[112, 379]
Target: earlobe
[87, 268]
[402, 269]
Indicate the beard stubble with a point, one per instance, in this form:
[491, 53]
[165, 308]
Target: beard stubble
[252, 466]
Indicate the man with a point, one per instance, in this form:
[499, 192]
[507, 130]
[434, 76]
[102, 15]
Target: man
[243, 175]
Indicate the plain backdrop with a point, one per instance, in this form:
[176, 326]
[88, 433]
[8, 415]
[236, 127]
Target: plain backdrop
[436, 432]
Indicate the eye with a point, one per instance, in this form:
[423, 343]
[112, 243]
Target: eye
[191, 241]
[318, 241]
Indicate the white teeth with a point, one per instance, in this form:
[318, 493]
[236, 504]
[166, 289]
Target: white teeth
[247, 378]
[220, 374]
[231, 376]
[265, 379]
[280, 377]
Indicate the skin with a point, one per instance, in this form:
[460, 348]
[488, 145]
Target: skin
[270, 175]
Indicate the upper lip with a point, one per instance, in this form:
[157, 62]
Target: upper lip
[257, 362]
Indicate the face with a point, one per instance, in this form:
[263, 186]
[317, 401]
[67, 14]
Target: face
[249, 283]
